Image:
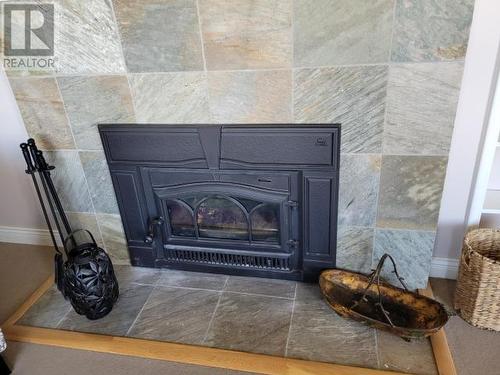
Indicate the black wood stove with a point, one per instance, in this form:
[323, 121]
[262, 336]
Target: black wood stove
[255, 200]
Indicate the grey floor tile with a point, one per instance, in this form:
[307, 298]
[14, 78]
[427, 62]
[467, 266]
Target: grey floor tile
[47, 311]
[318, 333]
[251, 323]
[258, 285]
[185, 279]
[119, 320]
[308, 292]
[176, 315]
[415, 357]
[141, 275]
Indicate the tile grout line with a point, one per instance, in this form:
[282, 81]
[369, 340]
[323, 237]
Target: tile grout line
[126, 72]
[215, 311]
[120, 39]
[377, 199]
[66, 116]
[64, 317]
[297, 124]
[292, 37]
[201, 36]
[384, 123]
[377, 348]
[291, 320]
[140, 312]
[220, 290]
[132, 97]
[388, 78]
[394, 7]
[258, 295]
[94, 212]
[157, 282]
[394, 154]
[238, 70]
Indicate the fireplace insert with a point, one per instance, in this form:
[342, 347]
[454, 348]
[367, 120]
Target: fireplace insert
[256, 200]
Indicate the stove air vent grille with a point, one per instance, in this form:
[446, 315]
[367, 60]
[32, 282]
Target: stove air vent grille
[228, 259]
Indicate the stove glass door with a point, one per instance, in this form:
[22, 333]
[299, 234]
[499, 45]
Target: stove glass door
[217, 216]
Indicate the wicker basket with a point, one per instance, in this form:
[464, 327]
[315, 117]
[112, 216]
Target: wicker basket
[477, 297]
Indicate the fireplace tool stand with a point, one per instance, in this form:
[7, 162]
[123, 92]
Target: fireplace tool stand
[83, 271]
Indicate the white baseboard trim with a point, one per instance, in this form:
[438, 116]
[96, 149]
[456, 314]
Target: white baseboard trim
[444, 268]
[31, 236]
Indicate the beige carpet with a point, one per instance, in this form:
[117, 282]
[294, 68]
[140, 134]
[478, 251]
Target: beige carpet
[475, 351]
[29, 359]
[24, 267]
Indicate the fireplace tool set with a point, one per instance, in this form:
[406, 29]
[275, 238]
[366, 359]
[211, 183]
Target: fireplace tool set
[83, 271]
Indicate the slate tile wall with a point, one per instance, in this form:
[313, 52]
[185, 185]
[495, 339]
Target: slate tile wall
[388, 70]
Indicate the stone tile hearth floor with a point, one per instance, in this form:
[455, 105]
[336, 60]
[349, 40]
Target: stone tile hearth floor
[275, 317]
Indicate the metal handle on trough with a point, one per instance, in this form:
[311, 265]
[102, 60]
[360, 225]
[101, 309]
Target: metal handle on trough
[375, 276]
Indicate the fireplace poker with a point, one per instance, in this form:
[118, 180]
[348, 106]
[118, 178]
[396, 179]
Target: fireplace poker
[58, 213]
[30, 169]
[44, 170]
[33, 151]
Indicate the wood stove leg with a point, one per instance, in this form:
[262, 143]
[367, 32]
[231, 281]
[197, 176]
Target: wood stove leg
[4, 369]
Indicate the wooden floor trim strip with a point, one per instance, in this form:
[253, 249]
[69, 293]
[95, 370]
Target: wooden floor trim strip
[188, 354]
[442, 354]
[196, 355]
[40, 291]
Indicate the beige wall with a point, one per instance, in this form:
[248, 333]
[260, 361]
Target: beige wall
[18, 205]
[463, 189]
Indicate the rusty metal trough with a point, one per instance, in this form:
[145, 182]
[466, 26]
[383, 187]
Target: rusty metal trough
[372, 301]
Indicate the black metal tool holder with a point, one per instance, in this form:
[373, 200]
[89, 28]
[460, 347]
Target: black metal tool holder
[36, 162]
[44, 170]
[84, 272]
[31, 169]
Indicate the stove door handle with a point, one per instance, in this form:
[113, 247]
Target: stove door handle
[151, 231]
